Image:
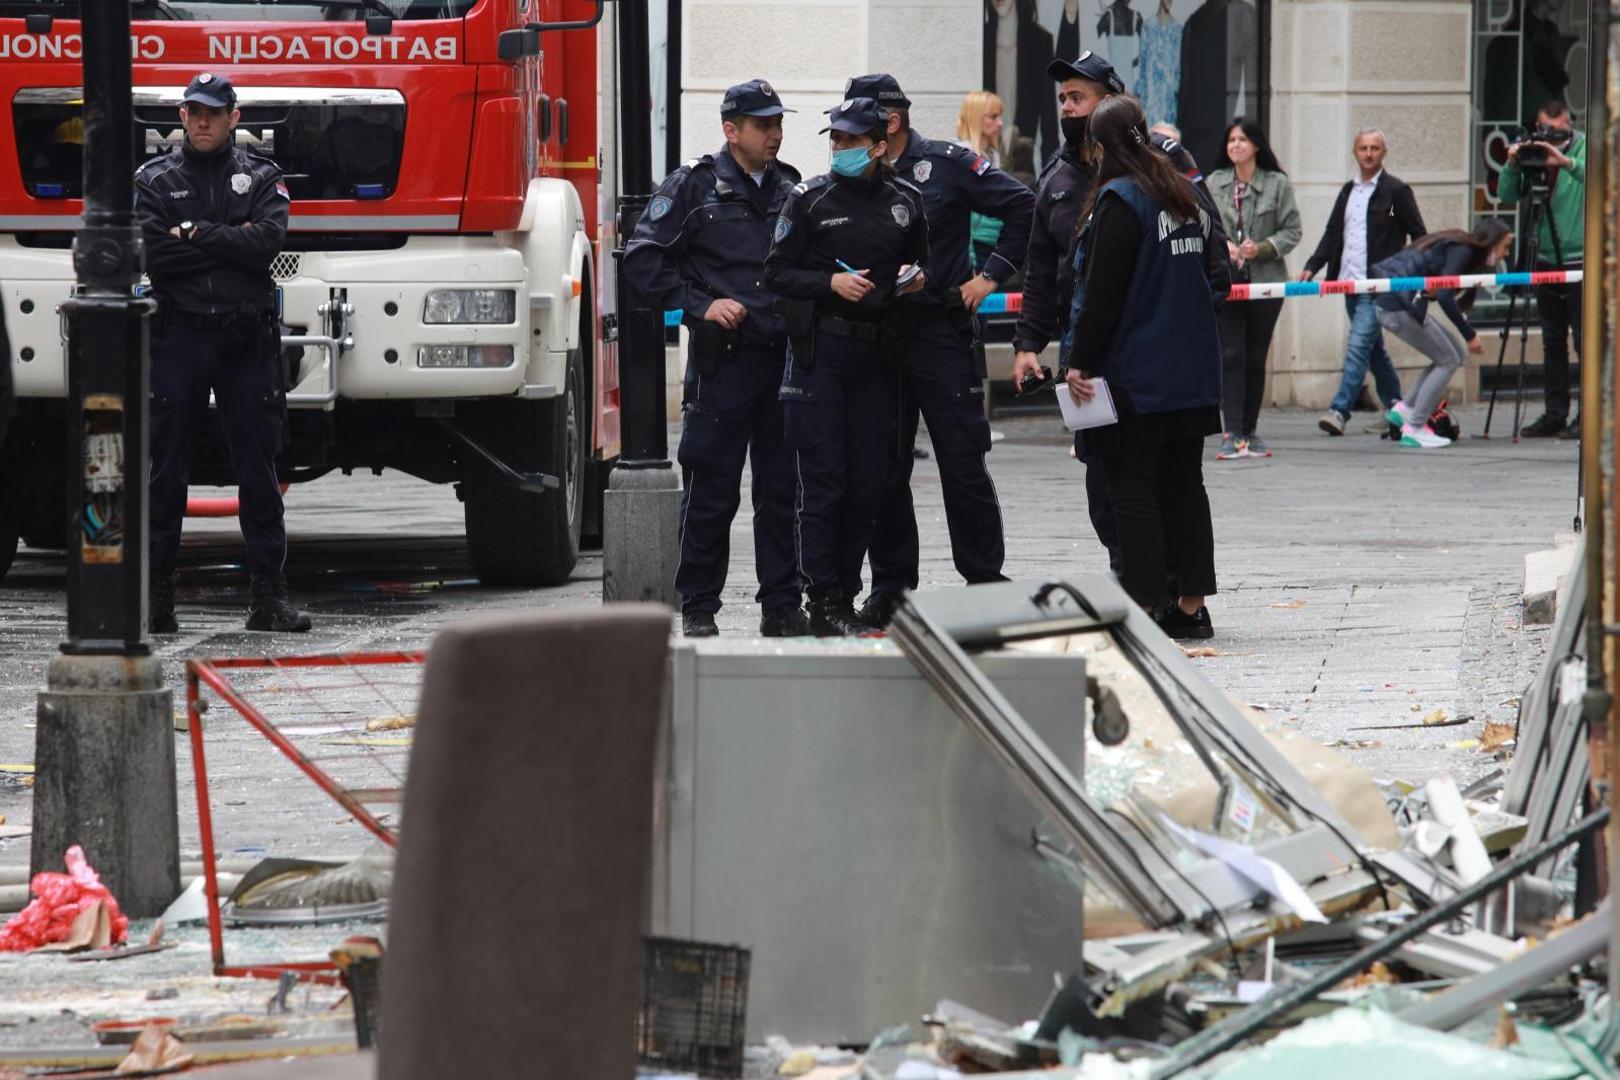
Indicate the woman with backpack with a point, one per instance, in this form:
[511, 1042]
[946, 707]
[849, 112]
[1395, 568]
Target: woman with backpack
[1407, 316]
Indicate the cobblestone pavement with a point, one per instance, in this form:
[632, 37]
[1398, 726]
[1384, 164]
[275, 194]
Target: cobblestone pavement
[1362, 586]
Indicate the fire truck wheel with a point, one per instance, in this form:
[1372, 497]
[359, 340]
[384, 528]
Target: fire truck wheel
[42, 517]
[516, 537]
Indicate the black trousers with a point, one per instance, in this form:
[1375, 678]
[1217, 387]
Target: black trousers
[1161, 510]
[1246, 329]
[1559, 307]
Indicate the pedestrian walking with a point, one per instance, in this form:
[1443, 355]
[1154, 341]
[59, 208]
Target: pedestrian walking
[1261, 222]
[1560, 243]
[978, 128]
[846, 248]
[1408, 317]
[213, 217]
[700, 247]
[1142, 320]
[1374, 217]
[943, 365]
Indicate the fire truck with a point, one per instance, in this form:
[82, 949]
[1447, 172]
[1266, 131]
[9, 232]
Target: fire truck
[442, 293]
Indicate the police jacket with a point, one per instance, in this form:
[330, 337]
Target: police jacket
[956, 183]
[704, 237]
[1141, 312]
[238, 204]
[1393, 218]
[873, 222]
[1443, 258]
[1060, 193]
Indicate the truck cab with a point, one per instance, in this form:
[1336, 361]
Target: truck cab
[442, 291]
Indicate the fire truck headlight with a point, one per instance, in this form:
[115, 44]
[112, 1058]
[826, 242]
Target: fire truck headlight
[470, 306]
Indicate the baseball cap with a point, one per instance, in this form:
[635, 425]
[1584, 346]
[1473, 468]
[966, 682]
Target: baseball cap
[857, 116]
[210, 89]
[753, 98]
[883, 89]
[1088, 65]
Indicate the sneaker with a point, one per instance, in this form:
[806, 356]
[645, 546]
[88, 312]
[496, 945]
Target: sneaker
[1381, 427]
[878, 610]
[698, 624]
[1423, 437]
[1333, 422]
[785, 622]
[1231, 449]
[1184, 627]
[1573, 431]
[269, 609]
[1398, 415]
[1544, 426]
[1254, 446]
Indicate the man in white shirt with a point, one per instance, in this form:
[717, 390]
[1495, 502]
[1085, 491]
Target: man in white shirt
[1375, 216]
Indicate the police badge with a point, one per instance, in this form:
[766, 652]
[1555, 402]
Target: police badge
[241, 182]
[660, 206]
[902, 216]
[922, 171]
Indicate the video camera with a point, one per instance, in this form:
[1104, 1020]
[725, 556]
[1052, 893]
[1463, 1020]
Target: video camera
[1533, 159]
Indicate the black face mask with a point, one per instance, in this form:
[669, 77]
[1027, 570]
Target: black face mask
[1074, 130]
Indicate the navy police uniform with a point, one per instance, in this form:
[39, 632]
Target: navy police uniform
[839, 390]
[704, 237]
[216, 328]
[943, 368]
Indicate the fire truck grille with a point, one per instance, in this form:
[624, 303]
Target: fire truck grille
[285, 266]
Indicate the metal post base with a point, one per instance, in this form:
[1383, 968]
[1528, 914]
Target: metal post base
[641, 534]
[105, 777]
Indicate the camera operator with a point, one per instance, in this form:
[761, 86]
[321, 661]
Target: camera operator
[1549, 164]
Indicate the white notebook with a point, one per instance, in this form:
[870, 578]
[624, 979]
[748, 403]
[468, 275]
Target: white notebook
[1098, 412]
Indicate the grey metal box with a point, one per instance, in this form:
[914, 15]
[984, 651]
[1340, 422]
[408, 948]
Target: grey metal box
[825, 808]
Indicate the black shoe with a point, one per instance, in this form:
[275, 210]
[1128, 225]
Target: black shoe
[1184, 627]
[878, 611]
[1573, 431]
[1545, 427]
[160, 606]
[833, 615]
[269, 610]
[785, 622]
[699, 624]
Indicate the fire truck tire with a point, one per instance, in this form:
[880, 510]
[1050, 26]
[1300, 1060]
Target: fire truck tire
[42, 519]
[517, 537]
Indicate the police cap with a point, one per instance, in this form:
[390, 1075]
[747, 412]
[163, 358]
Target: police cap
[883, 89]
[856, 116]
[752, 98]
[1088, 65]
[209, 89]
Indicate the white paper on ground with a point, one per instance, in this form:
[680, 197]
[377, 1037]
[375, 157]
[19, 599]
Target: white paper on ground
[190, 906]
[922, 1070]
[1098, 412]
[1261, 871]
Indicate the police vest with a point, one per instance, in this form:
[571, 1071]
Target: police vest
[1166, 351]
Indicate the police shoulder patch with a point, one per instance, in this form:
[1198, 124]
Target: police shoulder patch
[659, 206]
[783, 227]
[979, 164]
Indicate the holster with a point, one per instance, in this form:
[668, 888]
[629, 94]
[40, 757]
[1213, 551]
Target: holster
[799, 316]
[712, 345]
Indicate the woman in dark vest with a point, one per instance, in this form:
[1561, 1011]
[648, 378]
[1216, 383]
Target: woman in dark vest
[1143, 319]
[1407, 316]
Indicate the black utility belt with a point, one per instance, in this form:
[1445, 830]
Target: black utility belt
[852, 328]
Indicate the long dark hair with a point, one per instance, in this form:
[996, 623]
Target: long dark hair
[1264, 156]
[1486, 235]
[1117, 138]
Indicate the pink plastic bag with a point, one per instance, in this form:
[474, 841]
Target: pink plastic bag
[59, 899]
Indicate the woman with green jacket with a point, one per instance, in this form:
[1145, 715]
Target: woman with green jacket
[1262, 225]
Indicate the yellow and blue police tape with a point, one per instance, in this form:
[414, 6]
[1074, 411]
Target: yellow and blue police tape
[1012, 303]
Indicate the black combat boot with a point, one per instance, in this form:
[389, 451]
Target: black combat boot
[784, 622]
[878, 610]
[268, 608]
[833, 615]
[160, 605]
[699, 624]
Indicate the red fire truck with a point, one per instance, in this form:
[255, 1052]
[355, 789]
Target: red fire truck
[445, 288]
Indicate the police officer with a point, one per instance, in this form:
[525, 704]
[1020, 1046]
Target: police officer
[1064, 184]
[213, 217]
[701, 247]
[848, 247]
[944, 375]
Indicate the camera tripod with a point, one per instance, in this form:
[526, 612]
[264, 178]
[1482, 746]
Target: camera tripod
[1539, 211]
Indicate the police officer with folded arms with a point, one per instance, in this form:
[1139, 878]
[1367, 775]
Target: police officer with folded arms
[213, 217]
[943, 364]
[700, 247]
[849, 246]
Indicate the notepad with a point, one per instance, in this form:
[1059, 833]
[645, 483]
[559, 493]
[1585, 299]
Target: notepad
[1098, 412]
